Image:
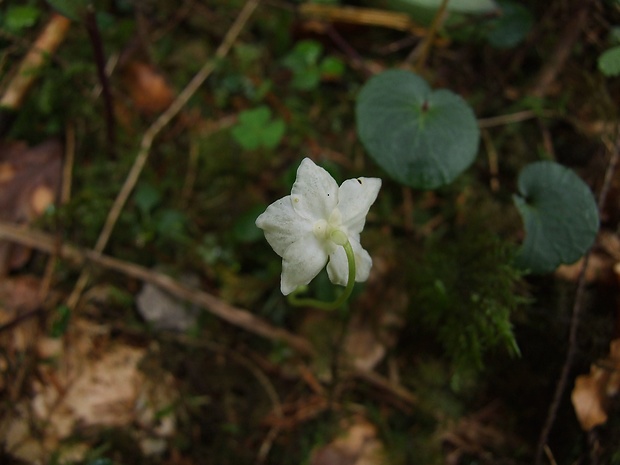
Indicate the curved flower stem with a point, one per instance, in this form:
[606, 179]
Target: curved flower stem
[342, 298]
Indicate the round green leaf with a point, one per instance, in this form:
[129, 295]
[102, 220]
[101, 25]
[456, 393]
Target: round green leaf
[560, 216]
[511, 27]
[609, 62]
[422, 138]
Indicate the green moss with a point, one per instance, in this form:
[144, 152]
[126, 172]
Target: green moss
[464, 291]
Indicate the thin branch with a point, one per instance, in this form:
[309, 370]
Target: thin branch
[517, 117]
[421, 52]
[90, 22]
[560, 55]
[46, 44]
[575, 319]
[233, 315]
[149, 136]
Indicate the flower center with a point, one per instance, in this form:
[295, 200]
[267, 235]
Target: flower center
[331, 229]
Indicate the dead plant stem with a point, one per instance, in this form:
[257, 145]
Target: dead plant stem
[149, 136]
[97, 44]
[420, 54]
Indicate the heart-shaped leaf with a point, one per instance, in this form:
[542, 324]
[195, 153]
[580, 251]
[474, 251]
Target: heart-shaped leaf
[422, 138]
[609, 62]
[560, 216]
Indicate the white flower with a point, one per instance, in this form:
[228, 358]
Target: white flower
[307, 227]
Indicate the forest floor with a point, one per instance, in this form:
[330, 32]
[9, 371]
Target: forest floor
[141, 318]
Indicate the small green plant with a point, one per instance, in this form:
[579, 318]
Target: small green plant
[61, 321]
[609, 62]
[510, 28]
[257, 128]
[164, 224]
[16, 18]
[465, 292]
[425, 139]
[308, 67]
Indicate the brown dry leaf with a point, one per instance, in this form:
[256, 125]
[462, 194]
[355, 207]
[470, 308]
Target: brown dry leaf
[29, 183]
[599, 270]
[18, 295]
[358, 445]
[589, 400]
[591, 394]
[147, 87]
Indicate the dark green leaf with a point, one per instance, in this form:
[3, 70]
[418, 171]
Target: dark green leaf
[511, 27]
[560, 216]
[256, 129]
[146, 198]
[60, 321]
[609, 61]
[20, 17]
[422, 138]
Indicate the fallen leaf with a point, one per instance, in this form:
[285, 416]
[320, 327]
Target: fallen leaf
[358, 445]
[592, 391]
[91, 382]
[164, 311]
[29, 183]
[18, 296]
[589, 400]
[599, 270]
[147, 87]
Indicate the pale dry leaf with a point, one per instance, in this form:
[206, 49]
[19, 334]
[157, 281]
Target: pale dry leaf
[103, 393]
[18, 438]
[164, 311]
[96, 382]
[589, 400]
[592, 391]
[358, 445]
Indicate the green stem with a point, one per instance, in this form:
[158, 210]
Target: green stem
[342, 298]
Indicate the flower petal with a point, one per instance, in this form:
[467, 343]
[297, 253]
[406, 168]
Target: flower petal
[315, 192]
[302, 261]
[282, 225]
[338, 266]
[355, 197]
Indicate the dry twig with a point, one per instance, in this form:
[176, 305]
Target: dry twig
[225, 311]
[46, 44]
[149, 136]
